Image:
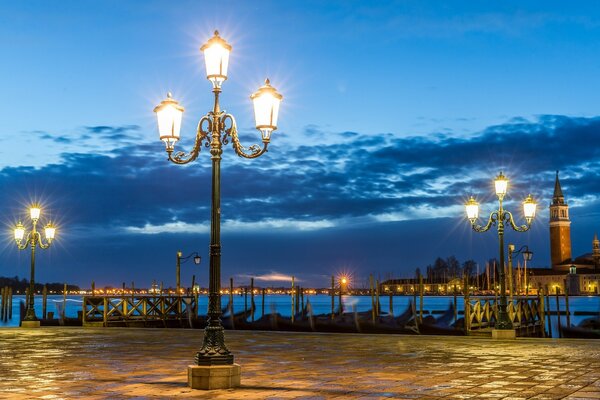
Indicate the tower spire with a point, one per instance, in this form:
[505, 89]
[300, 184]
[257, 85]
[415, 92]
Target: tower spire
[558, 197]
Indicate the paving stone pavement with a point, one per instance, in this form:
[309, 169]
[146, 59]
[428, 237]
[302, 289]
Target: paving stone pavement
[121, 363]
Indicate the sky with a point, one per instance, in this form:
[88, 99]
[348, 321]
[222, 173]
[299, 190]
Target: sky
[394, 112]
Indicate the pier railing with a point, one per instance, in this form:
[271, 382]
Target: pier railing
[526, 314]
[145, 310]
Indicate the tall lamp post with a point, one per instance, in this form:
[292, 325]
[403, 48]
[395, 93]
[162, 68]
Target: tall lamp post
[527, 256]
[33, 240]
[500, 217]
[183, 260]
[215, 129]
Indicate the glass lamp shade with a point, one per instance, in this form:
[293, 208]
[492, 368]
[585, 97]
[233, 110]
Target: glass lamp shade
[216, 57]
[169, 115]
[529, 206]
[266, 102]
[501, 184]
[197, 260]
[472, 208]
[50, 232]
[19, 232]
[34, 212]
[527, 255]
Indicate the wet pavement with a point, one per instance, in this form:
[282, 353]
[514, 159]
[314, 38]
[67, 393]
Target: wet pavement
[121, 363]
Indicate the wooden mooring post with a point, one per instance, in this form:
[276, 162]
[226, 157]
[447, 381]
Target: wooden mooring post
[391, 303]
[332, 297]
[263, 303]
[231, 298]
[421, 289]
[373, 305]
[377, 303]
[558, 313]
[252, 298]
[44, 301]
[547, 292]
[567, 305]
[541, 310]
[293, 299]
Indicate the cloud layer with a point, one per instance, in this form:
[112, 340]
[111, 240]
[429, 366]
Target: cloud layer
[347, 181]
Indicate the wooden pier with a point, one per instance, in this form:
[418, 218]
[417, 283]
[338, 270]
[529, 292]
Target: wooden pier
[140, 310]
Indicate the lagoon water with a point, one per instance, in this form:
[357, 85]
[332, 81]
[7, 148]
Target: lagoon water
[321, 304]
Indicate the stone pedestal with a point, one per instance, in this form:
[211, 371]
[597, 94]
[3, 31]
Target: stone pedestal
[30, 324]
[214, 377]
[504, 334]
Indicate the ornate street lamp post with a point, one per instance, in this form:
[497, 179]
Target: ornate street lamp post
[34, 240]
[527, 256]
[215, 129]
[183, 260]
[500, 217]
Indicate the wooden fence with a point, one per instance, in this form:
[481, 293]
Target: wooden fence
[526, 314]
[139, 310]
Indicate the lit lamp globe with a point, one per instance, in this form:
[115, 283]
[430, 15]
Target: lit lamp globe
[529, 206]
[472, 208]
[501, 185]
[50, 232]
[19, 232]
[169, 114]
[34, 212]
[216, 58]
[266, 102]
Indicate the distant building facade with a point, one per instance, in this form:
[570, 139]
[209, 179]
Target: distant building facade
[580, 275]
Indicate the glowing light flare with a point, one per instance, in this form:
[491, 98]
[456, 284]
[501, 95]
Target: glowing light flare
[266, 101]
[50, 231]
[34, 212]
[216, 58]
[169, 115]
[472, 209]
[501, 185]
[529, 207]
[19, 232]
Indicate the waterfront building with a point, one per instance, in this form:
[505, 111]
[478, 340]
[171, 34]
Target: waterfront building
[579, 275]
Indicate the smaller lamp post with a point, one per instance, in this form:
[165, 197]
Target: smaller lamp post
[34, 240]
[527, 256]
[499, 217]
[182, 260]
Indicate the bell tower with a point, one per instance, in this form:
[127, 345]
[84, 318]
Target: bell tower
[560, 227]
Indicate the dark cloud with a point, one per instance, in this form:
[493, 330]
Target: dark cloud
[359, 177]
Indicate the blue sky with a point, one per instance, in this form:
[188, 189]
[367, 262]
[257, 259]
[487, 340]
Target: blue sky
[393, 113]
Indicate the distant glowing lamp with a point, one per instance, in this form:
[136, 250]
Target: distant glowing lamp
[501, 184]
[19, 231]
[50, 231]
[266, 102]
[169, 115]
[216, 57]
[529, 206]
[472, 207]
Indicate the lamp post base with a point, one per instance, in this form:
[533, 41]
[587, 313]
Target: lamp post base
[214, 377]
[504, 334]
[30, 324]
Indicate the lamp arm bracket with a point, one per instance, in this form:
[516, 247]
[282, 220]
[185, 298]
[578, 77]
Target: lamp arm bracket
[509, 218]
[491, 222]
[201, 135]
[184, 259]
[230, 127]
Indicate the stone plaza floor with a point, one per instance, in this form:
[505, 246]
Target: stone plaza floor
[121, 363]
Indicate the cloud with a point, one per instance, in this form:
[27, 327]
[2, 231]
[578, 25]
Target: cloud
[311, 187]
[270, 277]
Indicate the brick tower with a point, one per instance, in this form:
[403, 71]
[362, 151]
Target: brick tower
[560, 228]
